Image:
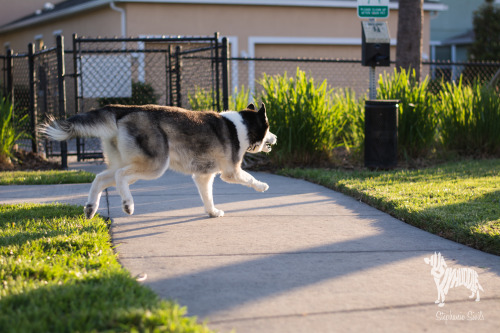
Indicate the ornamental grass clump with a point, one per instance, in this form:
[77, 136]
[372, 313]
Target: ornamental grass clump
[301, 114]
[9, 131]
[470, 118]
[417, 122]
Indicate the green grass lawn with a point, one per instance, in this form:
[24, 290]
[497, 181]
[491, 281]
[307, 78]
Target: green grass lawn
[58, 273]
[45, 177]
[459, 201]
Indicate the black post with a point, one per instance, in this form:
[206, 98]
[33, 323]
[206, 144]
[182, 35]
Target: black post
[32, 101]
[178, 74]
[76, 74]
[225, 71]
[62, 95]
[217, 74]
[168, 76]
[381, 133]
[10, 76]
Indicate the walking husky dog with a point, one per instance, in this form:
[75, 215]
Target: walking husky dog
[142, 142]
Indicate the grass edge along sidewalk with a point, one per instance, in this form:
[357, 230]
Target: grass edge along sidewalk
[45, 177]
[459, 201]
[59, 273]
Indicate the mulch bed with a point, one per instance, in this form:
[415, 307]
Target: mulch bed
[27, 160]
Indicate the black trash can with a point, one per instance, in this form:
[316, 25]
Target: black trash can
[381, 134]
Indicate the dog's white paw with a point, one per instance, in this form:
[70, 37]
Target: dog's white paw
[128, 206]
[89, 210]
[261, 187]
[216, 213]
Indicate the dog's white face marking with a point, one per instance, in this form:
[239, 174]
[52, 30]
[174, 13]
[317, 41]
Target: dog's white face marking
[241, 129]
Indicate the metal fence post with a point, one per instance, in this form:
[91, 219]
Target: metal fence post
[10, 76]
[225, 71]
[178, 74]
[62, 95]
[217, 74]
[32, 97]
[76, 74]
[168, 76]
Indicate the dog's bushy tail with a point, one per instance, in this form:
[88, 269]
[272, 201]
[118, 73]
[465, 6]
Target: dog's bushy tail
[97, 123]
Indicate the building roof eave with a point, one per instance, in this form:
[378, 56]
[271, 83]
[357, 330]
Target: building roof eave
[53, 15]
[49, 16]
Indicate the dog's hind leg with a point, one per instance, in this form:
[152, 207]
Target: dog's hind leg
[102, 181]
[132, 173]
[124, 177]
[204, 183]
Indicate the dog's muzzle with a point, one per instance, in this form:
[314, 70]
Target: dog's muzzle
[270, 140]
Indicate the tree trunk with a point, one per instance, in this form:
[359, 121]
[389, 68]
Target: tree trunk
[409, 39]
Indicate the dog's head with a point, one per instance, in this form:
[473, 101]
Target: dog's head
[259, 136]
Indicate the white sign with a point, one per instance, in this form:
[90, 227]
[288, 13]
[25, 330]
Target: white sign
[373, 8]
[376, 32]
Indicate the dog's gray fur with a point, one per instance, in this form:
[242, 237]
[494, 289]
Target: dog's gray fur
[142, 142]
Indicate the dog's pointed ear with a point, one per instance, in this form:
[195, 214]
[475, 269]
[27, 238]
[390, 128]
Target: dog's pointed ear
[251, 107]
[262, 110]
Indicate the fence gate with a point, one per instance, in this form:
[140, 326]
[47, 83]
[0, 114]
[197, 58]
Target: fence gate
[135, 71]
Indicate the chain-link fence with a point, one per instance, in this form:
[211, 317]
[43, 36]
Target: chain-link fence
[483, 72]
[248, 72]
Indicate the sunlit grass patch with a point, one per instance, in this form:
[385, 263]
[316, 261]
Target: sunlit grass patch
[58, 273]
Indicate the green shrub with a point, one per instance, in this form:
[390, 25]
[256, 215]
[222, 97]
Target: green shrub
[201, 99]
[204, 100]
[418, 120]
[470, 118]
[240, 99]
[10, 132]
[142, 94]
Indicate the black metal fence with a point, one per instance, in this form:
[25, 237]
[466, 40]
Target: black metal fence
[34, 81]
[166, 71]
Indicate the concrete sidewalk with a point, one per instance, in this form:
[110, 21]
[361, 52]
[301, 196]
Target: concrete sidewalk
[297, 258]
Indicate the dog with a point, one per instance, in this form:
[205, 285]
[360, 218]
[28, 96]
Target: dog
[447, 277]
[142, 142]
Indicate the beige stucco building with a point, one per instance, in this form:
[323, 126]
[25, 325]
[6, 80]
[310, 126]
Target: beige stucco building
[254, 28]
[260, 28]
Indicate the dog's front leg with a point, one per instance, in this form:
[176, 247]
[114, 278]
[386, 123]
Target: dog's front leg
[204, 183]
[244, 178]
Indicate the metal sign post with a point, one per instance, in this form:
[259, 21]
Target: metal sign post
[372, 92]
[381, 116]
[375, 44]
